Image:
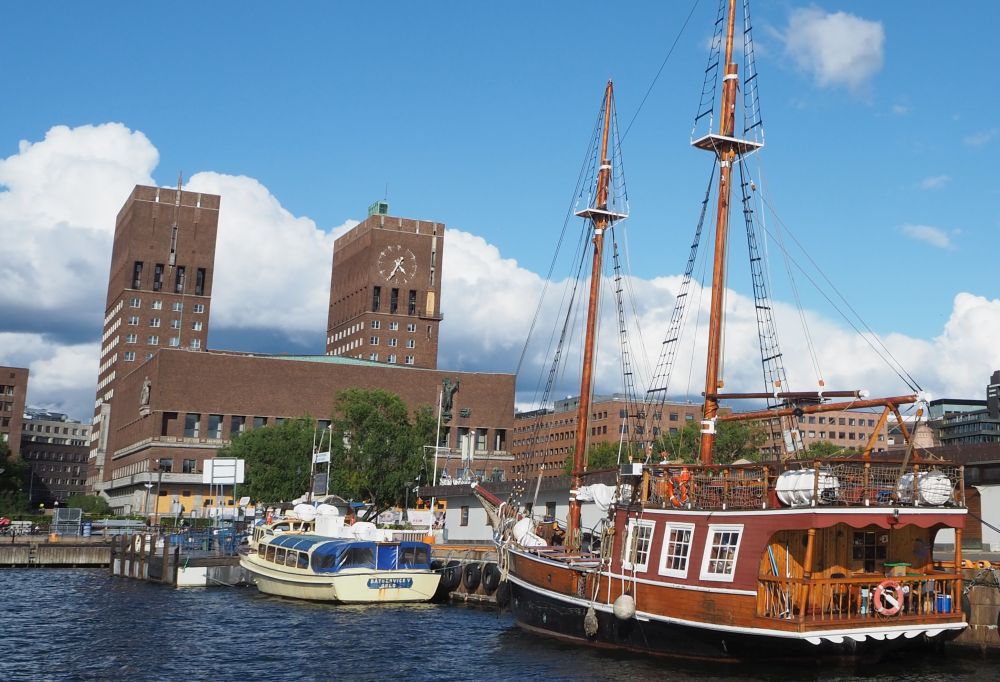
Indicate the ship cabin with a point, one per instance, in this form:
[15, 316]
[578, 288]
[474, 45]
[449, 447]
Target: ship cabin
[843, 543]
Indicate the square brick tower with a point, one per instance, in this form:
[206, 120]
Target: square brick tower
[159, 290]
[385, 290]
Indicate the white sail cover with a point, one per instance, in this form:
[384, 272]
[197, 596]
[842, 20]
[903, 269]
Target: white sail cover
[599, 493]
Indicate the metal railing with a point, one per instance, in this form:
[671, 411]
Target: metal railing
[831, 482]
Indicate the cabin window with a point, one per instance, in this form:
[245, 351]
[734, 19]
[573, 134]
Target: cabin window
[465, 517]
[721, 552]
[292, 559]
[303, 560]
[676, 549]
[637, 542]
[279, 556]
[869, 548]
[269, 555]
[359, 557]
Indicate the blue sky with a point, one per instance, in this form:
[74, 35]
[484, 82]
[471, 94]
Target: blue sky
[477, 115]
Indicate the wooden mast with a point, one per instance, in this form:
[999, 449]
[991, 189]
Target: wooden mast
[726, 148]
[600, 217]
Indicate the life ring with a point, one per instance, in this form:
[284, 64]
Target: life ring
[677, 487]
[891, 591]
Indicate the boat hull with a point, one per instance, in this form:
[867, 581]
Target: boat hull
[562, 617]
[354, 587]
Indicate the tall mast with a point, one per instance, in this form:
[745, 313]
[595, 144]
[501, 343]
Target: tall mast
[600, 217]
[727, 147]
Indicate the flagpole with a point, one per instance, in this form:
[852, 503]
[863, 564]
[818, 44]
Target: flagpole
[437, 442]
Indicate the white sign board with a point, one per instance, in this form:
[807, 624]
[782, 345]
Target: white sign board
[223, 471]
[420, 517]
[321, 457]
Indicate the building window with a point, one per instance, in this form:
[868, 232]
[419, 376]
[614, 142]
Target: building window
[411, 303]
[195, 344]
[394, 300]
[637, 542]
[179, 280]
[188, 466]
[153, 340]
[373, 341]
[408, 360]
[135, 303]
[373, 357]
[154, 322]
[215, 426]
[199, 308]
[465, 516]
[392, 359]
[197, 325]
[175, 324]
[131, 338]
[392, 342]
[410, 343]
[376, 298]
[258, 422]
[721, 553]
[376, 324]
[175, 341]
[166, 465]
[156, 305]
[411, 327]
[137, 275]
[393, 326]
[199, 282]
[129, 356]
[676, 550]
[192, 424]
[158, 277]
[133, 320]
[236, 426]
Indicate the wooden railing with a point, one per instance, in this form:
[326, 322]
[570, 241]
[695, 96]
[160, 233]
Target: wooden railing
[814, 601]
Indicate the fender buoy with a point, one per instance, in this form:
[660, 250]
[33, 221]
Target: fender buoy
[503, 594]
[451, 575]
[491, 578]
[473, 574]
[888, 598]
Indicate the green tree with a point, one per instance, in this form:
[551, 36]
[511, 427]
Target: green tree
[90, 504]
[733, 440]
[823, 449]
[278, 459]
[377, 452]
[599, 456]
[13, 499]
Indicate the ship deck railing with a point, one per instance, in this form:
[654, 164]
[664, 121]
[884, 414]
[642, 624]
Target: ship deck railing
[851, 601]
[833, 482]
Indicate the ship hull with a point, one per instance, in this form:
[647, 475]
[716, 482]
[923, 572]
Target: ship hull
[562, 617]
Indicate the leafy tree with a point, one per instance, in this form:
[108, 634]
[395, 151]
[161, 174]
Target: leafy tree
[599, 456]
[733, 440]
[278, 459]
[90, 504]
[15, 472]
[377, 452]
[823, 449]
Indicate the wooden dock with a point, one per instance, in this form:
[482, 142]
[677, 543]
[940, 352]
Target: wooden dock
[45, 554]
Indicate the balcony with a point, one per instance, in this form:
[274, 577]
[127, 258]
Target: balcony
[851, 601]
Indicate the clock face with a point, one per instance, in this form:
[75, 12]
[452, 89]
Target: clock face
[397, 264]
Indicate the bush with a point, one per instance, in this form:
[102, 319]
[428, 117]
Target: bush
[90, 504]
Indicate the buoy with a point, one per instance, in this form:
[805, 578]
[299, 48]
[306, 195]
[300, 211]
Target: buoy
[53, 537]
[590, 622]
[624, 607]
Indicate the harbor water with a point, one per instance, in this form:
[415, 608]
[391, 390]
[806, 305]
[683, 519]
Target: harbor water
[87, 625]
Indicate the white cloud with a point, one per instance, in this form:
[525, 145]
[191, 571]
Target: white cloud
[267, 259]
[68, 188]
[835, 48]
[981, 138]
[900, 109]
[931, 235]
[935, 182]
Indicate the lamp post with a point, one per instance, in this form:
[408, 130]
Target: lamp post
[145, 505]
[156, 506]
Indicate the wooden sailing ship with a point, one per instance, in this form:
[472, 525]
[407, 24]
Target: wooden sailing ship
[779, 560]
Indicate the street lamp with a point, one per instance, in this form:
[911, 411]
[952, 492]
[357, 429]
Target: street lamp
[145, 505]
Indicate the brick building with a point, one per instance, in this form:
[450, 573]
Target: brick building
[159, 290]
[56, 449]
[385, 291]
[13, 391]
[167, 407]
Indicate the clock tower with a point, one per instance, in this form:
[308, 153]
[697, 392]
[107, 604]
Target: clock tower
[385, 290]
